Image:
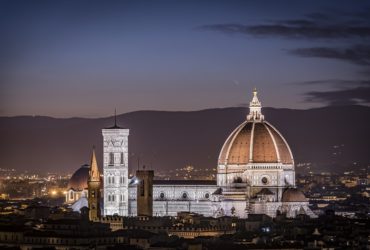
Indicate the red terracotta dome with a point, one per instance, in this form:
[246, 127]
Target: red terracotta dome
[78, 181]
[255, 141]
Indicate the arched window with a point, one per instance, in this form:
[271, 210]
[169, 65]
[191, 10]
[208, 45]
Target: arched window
[184, 195]
[161, 195]
[110, 179]
[238, 179]
[111, 159]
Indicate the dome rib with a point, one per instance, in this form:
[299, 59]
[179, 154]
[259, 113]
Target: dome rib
[255, 142]
[251, 144]
[238, 149]
[223, 158]
[274, 141]
[263, 146]
[286, 155]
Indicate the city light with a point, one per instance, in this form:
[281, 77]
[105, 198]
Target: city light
[185, 125]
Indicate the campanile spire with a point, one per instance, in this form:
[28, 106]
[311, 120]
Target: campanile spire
[94, 189]
[94, 170]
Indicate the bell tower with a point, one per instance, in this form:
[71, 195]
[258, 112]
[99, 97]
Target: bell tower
[144, 192]
[115, 151]
[94, 189]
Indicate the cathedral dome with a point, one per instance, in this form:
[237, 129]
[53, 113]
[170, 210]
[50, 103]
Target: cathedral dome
[293, 195]
[78, 181]
[255, 141]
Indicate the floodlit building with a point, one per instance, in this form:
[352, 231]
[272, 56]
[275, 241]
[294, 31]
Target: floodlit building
[255, 175]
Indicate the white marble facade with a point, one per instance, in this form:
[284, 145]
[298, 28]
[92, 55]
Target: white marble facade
[255, 169]
[115, 169]
[170, 198]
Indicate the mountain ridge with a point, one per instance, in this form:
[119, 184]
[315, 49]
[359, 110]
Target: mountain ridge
[172, 139]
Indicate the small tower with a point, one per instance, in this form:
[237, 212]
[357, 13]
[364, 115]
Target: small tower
[115, 168]
[145, 192]
[94, 189]
[255, 107]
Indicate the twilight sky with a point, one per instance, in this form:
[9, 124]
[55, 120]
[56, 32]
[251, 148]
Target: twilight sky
[84, 58]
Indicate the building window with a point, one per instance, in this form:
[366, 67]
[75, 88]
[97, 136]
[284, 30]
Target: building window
[161, 195]
[264, 180]
[113, 197]
[184, 195]
[108, 197]
[121, 158]
[71, 195]
[93, 193]
[238, 179]
[110, 179]
[206, 196]
[142, 188]
[121, 180]
[111, 159]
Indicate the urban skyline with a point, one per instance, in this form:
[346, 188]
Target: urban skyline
[184, 125]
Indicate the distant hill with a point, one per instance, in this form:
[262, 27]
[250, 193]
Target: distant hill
[168, 140]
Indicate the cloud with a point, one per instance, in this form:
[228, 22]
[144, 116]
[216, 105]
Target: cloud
[333, 25]
[365, 72]
[317, 16]
[336, 26]
[293, 29]
[358, 54]
[345, 92]
[312, 26]
[351, 96]
[336, 82]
